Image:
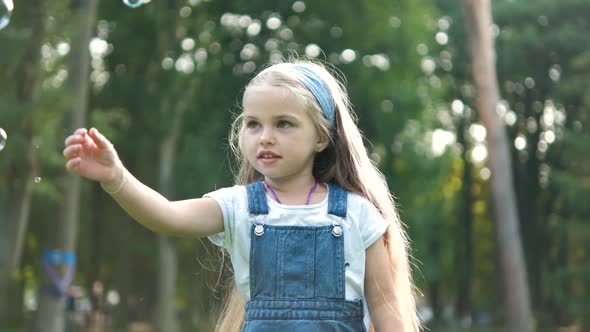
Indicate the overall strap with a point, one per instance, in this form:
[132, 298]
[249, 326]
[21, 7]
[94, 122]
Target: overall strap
[257, 203]
[257, 198]
[337, 200]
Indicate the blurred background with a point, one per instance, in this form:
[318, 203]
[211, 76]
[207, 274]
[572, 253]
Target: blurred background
[163, 79]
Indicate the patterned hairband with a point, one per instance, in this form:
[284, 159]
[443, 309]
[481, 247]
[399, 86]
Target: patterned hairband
[314, 83]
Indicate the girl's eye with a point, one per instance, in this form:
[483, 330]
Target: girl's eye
[284, 124]
[251, 124]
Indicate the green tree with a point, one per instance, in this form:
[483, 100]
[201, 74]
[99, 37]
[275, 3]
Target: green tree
[569, 182]
[20, 98]
[52, 303]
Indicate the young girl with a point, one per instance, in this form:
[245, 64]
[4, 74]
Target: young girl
[314, 238]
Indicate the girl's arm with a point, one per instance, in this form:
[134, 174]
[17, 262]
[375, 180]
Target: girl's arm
[380, 289]
[91, 155]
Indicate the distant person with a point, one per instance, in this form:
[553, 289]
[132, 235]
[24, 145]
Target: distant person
[97, 318]
[75, 315]
[314, 237]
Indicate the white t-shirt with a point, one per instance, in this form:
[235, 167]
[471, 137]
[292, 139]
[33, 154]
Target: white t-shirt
[362, 226]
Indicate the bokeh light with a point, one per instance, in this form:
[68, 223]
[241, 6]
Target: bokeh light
[520, 142]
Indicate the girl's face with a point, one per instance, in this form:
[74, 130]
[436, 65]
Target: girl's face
[278, 135]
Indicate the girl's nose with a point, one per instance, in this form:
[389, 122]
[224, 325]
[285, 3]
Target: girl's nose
[266, 137]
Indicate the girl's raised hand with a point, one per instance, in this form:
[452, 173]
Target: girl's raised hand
[91, 155]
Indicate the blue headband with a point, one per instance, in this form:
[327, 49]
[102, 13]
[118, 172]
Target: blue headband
[315, 84]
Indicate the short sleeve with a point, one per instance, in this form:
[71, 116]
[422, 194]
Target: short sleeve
[372, 225]
[226, 198]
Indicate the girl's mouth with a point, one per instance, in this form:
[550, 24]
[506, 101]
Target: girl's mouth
[268, 157]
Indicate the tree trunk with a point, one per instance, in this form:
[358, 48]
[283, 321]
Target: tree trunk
[167, 259]
[168, 272]
[52, 306]
[171, 111]
[464, 230]
[516, 289]
[10, 251]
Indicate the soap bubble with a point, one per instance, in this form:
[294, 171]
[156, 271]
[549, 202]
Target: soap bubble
[37, 179]
[6, 7]
[3, 138]
[133, 3]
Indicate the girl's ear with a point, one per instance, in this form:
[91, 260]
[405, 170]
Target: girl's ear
[321, 145]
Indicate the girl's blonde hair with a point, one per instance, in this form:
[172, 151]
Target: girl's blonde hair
[344, 162]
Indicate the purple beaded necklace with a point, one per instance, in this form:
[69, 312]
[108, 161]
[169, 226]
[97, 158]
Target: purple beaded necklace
[311, 191]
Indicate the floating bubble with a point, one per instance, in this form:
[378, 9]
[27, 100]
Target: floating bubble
[133, 3]
[3, 138]
[6, 7]
[37, 179]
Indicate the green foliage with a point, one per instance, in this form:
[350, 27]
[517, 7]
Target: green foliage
[570, 183]
[540, 62]
[146, 77]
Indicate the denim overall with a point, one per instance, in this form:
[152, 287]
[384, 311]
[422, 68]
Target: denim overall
[297, 274]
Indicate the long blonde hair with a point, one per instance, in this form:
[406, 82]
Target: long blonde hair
[344, 162]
